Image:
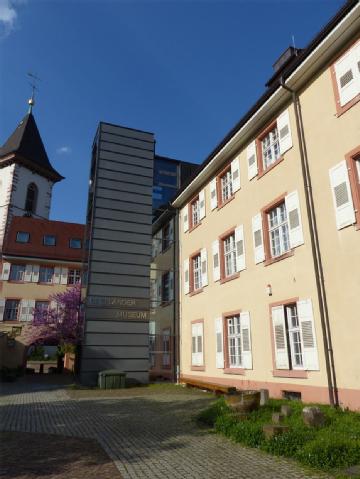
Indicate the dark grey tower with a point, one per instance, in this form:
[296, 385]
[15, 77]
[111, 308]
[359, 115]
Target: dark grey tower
[119, 253]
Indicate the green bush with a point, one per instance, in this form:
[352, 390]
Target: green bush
[332, 446]
[330, 451]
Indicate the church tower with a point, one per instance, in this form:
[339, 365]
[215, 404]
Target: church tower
[26, 175]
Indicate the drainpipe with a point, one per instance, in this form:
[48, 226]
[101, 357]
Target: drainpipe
[176, 298]
[315, 246]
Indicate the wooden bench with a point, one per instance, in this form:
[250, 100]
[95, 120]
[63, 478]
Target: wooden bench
[216, 388]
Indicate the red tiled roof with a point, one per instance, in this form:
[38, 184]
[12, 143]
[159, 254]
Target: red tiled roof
[37, 229]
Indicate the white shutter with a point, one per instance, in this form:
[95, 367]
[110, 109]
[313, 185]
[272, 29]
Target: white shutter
[171, 279]
[258, 238]
[235, 174]
[246, 340]
[2, 308]
[28, 273]
[347, 76]
[30, 312]
[204, 268]
[240, 248]
[308, 337]
[213, 194]
[154, 248]
[219, 343]
[252, 160]
[57, 273]
[186, 276]
[202, 204]
[194, 345]
[6, 271]
[200, 343]
[280, 342]
[53, 305]
[284, 132]
[216, 260]
[292, 205]
[64, 276]
[185, 217]
[343, 204]
[35, 273]
[23, 316]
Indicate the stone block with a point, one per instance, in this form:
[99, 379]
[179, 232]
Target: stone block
[286, 410]
[277, 417]
[271, 430]
[313, 416]
[264, 396]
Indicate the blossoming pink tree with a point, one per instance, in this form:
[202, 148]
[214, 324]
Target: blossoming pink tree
[62, 323]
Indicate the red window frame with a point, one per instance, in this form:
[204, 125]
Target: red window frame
[222, 238]
[220, 201]
[227, 369]
[351, 158]
[192, 290]
[192, 226]
[261, 169]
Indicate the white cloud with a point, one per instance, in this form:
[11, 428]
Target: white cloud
[8, 15]
[63, 150]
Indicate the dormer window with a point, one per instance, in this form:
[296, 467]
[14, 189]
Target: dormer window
[49, 240]
[75, 243]
[31, 198]
[22, 237]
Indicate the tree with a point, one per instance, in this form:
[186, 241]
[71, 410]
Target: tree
[62, 323]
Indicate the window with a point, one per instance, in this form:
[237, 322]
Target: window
[165, 287]
[22, 237]
[196, 267]
[49, 240]
[152, 343]
[294, 336]
[278, 230]
[166, 348]
[166, 237]
[17, 272]
[42, 305]
[226, 189]
[46, 274]
[195, 212]
[31, 198]
[229, 255]
[234, 341]
[11, 312]
[197, 354]
[74, 276]
[270, 148]
[346, 78]
[75, 243]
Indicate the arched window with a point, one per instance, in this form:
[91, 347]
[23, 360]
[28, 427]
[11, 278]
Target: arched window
[31, 198]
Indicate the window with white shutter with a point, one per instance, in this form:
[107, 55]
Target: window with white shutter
[246, 340]
[235, 174]
[216, 260]
[186, 276]
[204, 272]
[292, 205]
[197, 350]
[35, 273]
[28, 273]
[251, 155]
[24, 310]
[240, 248]
[284, 132]
[64, 276]
[239, 341]
[202, 206]
[185, 217]
[219, 343]
[280, 340]
[341, 193]
[347, 73]
[258, 238]
[213, 194]
[308, 336]
[6, 267]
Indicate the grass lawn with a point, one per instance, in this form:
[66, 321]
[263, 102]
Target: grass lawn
[330, 448]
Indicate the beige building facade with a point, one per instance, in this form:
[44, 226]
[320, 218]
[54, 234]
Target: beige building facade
[269, 235]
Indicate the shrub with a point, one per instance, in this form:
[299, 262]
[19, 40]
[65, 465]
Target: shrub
[209, 415]
[330, 451]
[245, 431]
[288, 444]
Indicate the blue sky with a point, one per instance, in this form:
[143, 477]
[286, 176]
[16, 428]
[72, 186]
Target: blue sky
[185, 70]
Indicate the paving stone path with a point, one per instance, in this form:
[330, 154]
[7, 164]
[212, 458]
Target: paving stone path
[147, 436]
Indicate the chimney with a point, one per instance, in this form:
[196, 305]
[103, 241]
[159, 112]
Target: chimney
[284, 60]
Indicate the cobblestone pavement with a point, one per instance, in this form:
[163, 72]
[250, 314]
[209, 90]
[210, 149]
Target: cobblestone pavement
[146, 436]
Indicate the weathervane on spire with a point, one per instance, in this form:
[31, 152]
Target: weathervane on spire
[33, 79]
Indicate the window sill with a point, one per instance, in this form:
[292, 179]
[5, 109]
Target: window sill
[47, 284]
[197, 291]
[197, 368]
[14, 281]
[263, 172]
[239, 371]
[165, 303]
[340, 110]
[194, 227]
[12, 321]
[279, 258]
[229, 278]
[290, 373]
[226, 202]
